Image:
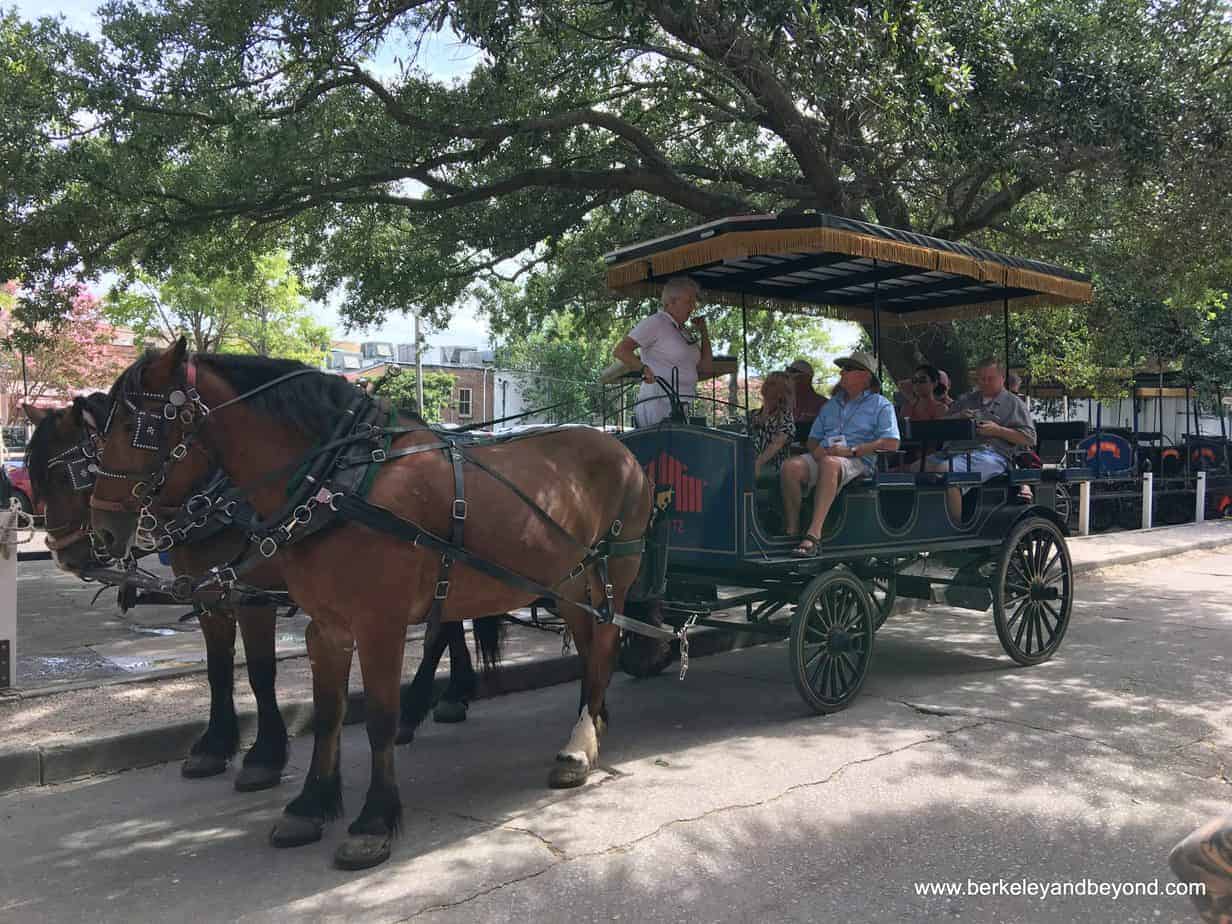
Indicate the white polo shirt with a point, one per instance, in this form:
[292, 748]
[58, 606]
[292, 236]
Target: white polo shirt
[665, 350]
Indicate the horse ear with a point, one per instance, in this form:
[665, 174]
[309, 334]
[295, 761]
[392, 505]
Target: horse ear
[82, 413]
[167, 361]
[34, 414]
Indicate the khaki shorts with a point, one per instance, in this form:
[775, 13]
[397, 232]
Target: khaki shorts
[852, 469]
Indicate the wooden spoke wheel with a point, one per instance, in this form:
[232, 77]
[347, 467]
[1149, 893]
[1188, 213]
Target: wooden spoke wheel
[1034, 591]
[1064, 503]
[831, 640]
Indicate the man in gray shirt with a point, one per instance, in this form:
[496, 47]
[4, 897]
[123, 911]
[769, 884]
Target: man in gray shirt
[1003, 426]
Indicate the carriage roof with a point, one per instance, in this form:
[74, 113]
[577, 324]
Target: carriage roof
[819, 263]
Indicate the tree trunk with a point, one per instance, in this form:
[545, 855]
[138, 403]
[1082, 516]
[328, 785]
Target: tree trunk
[902, 349]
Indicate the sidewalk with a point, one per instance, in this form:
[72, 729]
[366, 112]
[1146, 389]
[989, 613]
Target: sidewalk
[112, 719]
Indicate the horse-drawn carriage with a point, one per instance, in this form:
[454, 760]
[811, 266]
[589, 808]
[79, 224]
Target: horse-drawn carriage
[889, 534]
[368, 514]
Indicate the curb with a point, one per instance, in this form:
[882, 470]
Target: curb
[160, 744]
[1130, 558]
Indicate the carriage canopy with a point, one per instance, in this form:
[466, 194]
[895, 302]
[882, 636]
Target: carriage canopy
[823, 264]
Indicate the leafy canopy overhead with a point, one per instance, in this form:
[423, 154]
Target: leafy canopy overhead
[1053, 128]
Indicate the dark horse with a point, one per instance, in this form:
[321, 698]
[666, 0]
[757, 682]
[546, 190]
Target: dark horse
[58, 456]
[362, 586]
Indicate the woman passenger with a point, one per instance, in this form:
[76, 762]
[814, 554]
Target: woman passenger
[924, 403]
[773, 425]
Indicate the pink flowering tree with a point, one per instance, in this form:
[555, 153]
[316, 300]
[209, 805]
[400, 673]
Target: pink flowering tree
[80, 353]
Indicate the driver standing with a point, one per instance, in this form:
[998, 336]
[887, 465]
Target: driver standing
[667, 348]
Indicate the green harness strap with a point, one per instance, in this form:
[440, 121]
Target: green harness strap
[370, 476]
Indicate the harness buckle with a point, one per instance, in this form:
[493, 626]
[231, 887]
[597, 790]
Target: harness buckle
[378, 455]
[607, 590]
[226, 578]
[578, 569]
[268, 547]
[180, 451]
[442, 590]
[617, 526]
[459, 505]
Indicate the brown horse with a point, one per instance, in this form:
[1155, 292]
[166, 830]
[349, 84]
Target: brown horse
[58, 456]
[362, 586]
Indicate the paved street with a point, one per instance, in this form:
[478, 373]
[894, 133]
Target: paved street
[722, 797]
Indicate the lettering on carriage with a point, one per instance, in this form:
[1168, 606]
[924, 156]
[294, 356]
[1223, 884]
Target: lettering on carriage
[668, 470]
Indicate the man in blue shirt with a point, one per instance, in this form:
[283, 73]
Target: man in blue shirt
[855, 424]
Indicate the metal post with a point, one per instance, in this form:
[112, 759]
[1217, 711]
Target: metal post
[1148, 480]
[1084, 508]
[877, 322]
[1200, 498]
[1005, 312]
[418, 367]
[8, 601]
[744, 330]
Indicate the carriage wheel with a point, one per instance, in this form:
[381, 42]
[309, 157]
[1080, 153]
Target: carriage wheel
[1063, 505]
[882, 589]
[831, 640]
[1034, 591]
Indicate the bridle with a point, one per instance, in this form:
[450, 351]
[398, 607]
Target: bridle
[81, 462]
[151, 426]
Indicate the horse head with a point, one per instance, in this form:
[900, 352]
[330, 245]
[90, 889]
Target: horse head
[61, 458]
[146, 465]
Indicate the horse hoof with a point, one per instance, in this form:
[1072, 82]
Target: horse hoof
[361, 851]
[256, 778]
[568, 772]
[296, 831]
[406, 734]
[198, 766]
[449, 712]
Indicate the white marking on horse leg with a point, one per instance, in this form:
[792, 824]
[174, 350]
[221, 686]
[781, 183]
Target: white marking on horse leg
[583, 743]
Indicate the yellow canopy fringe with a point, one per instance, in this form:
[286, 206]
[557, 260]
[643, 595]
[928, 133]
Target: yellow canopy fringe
[632, 277]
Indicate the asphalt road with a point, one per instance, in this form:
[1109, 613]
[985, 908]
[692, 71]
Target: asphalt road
[722, 798]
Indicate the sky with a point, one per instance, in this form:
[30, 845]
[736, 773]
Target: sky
[444, 57]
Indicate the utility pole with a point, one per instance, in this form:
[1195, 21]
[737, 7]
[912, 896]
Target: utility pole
[418, 368]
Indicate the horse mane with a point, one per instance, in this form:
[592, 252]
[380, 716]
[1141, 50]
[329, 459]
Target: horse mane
[39, 450]
[311, 403]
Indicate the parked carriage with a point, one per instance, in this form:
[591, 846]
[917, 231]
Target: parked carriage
[889, 535]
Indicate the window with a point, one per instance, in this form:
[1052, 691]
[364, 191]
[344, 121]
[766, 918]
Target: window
[464, 402]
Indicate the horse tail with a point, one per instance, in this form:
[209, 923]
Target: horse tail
[489, 635]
